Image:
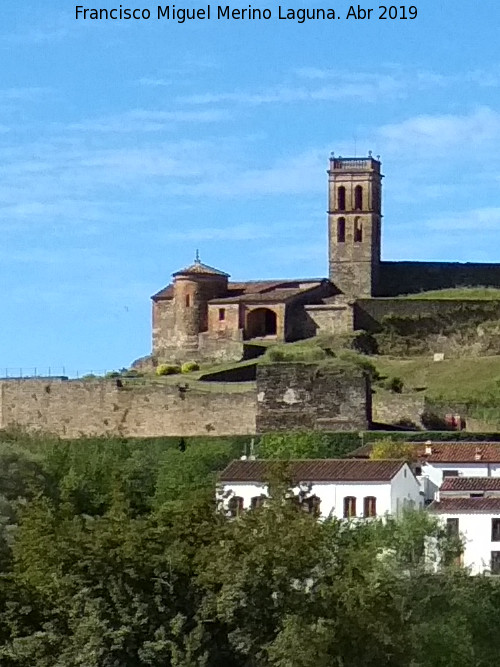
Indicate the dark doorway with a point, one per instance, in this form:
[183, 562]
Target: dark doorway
[261, 322]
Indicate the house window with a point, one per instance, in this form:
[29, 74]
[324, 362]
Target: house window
[341, 230]
[235, 505]
[370, 506]
[358, 230]
[349, 507]
[222, 314]
[450, 473]
[358, 198]
[495, 562]
[257, 501]
[341, 198]
[452, 526]
[311, 505]
[188, 300]
[495, 530]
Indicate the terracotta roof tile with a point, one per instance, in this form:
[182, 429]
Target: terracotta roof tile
[448, 452]
[165, 293]
[201, 269]
[466, 505]
[266, 296]
[314, 470]
[252, 289]
[455, 484]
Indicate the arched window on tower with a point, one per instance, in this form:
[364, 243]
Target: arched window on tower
[188, 300]
[341, 198]
[358, 198]
[358, 230]
[341, 230]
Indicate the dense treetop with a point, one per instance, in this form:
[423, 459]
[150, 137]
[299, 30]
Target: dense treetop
[113, 554]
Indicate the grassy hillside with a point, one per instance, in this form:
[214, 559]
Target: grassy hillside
[452, 379]
[459, 293]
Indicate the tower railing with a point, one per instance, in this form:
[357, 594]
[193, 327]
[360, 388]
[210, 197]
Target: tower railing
[349, 163]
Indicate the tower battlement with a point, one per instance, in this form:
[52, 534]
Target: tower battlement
[354, 163]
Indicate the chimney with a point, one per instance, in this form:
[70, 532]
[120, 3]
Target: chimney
[428, 448]
[478, 454]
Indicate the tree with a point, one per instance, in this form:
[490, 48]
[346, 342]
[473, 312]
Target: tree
[393, 449]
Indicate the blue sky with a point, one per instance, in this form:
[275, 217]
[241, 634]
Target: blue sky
[124, 146]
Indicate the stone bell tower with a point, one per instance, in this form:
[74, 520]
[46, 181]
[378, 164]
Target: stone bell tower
[354, 224]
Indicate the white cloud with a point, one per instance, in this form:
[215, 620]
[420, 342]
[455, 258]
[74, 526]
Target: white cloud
[438, 134]
[142, 120]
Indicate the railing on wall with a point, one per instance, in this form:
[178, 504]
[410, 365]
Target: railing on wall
[48, 372]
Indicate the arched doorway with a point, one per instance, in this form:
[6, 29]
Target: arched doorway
[261, 322]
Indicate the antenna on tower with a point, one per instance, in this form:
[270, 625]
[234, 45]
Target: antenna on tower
[197, 257]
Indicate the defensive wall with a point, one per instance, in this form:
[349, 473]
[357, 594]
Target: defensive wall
[286, 397]
[412, 277]
[307, 396]
[370, 313]
[75, 408]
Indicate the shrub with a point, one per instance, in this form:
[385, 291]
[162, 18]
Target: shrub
[389, 449]
[275, 354]
[189, 367]
[395, 384]
[112, 374]
[167, 369]
[131, 373]
[361, 362]
[303, 353]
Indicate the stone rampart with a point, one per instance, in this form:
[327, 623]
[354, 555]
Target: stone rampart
[303, 397]
[411, 277]
[369, 313]
[76, 408]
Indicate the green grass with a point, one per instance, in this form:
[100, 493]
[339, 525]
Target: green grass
[462, 380]
[459, 293]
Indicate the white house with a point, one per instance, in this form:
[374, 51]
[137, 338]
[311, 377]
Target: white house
[435, 461]
[343, 488]
[470, 506]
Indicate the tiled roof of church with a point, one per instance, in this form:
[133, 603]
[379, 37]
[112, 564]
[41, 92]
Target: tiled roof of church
[278, 291]
[253, 289]
[199, 268]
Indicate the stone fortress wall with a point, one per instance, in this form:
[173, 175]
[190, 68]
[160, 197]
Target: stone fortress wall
[285, 397]
[74, 408]
[412, 277]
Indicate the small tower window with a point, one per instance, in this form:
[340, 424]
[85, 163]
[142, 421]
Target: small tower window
[341, 230]
[188, 300]
[341, 198]
[358, 230]
[358, 198]
[222, 314]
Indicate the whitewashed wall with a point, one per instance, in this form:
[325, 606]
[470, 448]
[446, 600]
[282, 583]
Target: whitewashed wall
[476, 529]
[391, 497]
[405, 491]
[434, 471]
